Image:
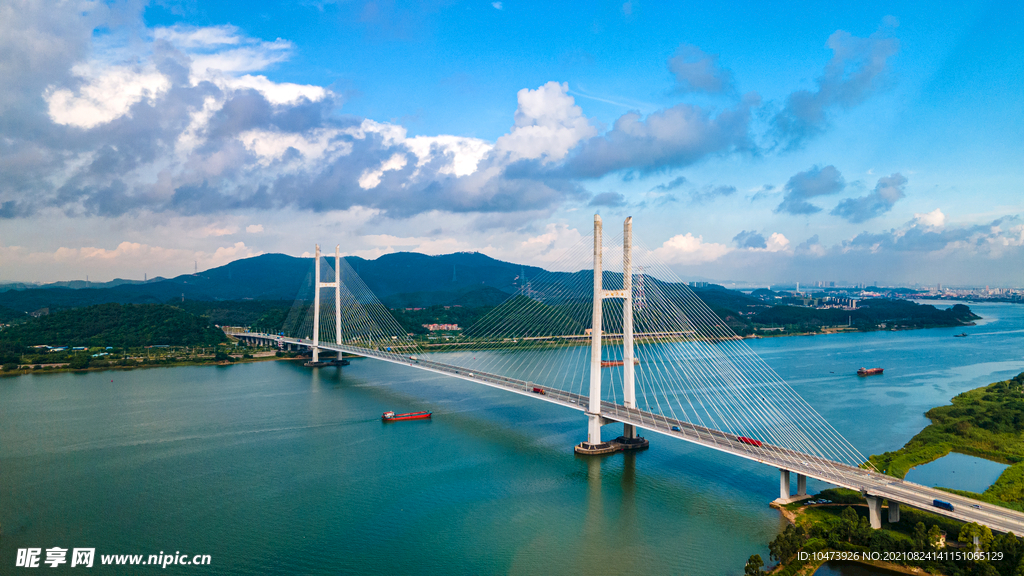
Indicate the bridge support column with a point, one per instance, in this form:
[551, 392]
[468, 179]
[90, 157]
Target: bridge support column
[628, 386]
[801, 485]
[783, 484]
[874, 511]
[894, 512]
[316, 307]
[337, 297]
[594, 445]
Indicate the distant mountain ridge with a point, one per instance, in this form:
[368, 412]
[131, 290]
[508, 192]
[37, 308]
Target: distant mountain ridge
[404, 279]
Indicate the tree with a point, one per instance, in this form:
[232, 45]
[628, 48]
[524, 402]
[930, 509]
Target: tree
[849, 522]
[753, 567]
[921, 536]
[984, 534]
[786, 544]
[1009, 545]
[934, 536]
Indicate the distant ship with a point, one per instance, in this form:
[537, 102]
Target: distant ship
[869, 371]
[961, 335]
[392, 417]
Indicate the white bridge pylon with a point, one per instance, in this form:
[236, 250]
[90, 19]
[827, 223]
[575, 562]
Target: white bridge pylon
[595, 420]
[337, 301]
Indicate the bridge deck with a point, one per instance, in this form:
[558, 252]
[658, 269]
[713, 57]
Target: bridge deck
[866, 481]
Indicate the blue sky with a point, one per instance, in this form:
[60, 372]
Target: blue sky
[872, 142]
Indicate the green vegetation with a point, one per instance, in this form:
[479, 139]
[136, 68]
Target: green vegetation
[239, 312]
[869, 315]
[987, 422]
[845, 528]
[113, 325]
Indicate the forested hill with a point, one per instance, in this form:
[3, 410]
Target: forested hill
[115, 325]
[403, 279]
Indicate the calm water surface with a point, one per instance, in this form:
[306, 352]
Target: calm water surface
[958, 471]
[272, 468]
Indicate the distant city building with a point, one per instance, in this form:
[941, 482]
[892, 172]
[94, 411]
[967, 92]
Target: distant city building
[442, 327]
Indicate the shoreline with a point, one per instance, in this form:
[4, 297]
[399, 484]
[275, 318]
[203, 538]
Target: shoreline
[26, 369]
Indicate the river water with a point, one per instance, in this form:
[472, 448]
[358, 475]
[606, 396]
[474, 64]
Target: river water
[272, 468]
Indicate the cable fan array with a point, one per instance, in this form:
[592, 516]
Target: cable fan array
[689, 365]
[364, 321]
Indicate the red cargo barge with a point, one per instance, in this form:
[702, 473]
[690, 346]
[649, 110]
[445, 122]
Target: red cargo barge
[869, 371]
[392, 417]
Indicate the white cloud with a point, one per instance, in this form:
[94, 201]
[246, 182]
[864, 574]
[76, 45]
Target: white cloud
[777, 242]
[371, 178]
[690, 249]
[254, 228]
[214, 230]
[548, 124]
[934, 218]
[192, 37]
[127, 256]
[466, 153]
[106, 93]
[314, 145]
[497, 5]
[279, 93]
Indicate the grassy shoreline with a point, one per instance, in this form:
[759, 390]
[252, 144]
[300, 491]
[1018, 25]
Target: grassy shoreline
[986, 422]
[211, 361]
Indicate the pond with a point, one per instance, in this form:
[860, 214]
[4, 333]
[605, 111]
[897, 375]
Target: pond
[958, 471]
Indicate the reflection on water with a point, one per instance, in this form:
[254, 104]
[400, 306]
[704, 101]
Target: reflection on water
[958, 471]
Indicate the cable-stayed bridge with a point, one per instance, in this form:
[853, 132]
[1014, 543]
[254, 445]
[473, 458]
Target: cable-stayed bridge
[638, 349]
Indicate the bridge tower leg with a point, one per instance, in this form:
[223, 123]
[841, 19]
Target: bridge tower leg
[801, 485]
[316, 307]
[594, 412]
[628, 388]
[783, 484]
[337, 297]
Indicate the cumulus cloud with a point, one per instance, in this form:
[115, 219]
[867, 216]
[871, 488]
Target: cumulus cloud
[809, 184]
[689, 249]
[934, 218]
[750, 239]
[672, 137]
[254, 228]
[189, 126]
[856, 70]
[881, 200]
[696, 71]
[548, 124]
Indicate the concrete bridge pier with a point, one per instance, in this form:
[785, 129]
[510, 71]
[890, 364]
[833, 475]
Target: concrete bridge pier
[874, 511]
[894, 512]
[784, 487]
